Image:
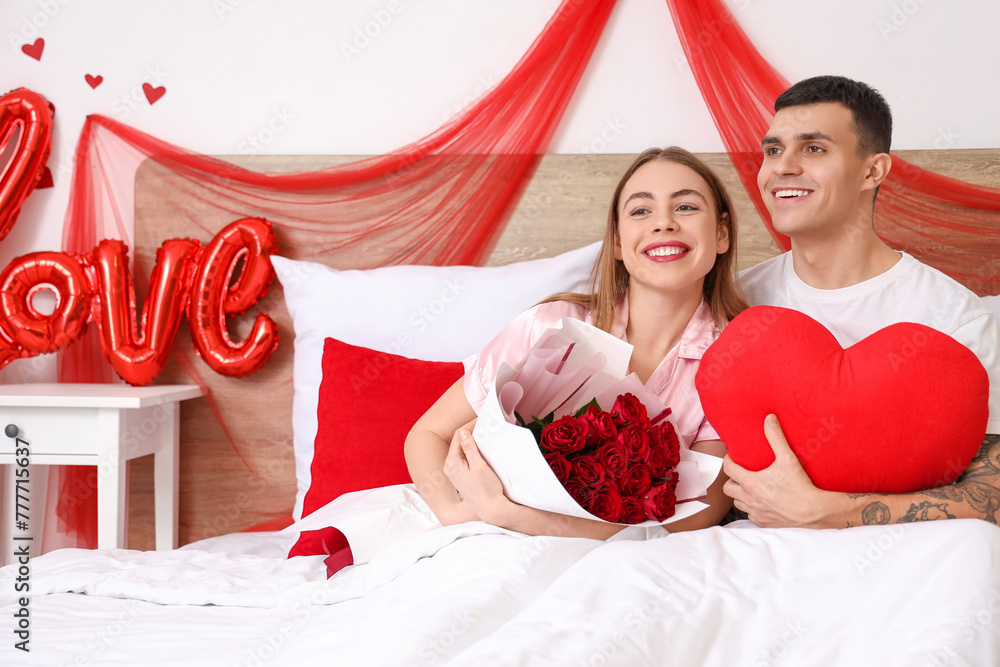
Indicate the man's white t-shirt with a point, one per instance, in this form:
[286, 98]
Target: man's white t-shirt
[908, 292]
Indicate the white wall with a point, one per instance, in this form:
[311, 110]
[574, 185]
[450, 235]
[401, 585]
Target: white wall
[237, 70]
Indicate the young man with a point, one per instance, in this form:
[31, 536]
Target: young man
[825, 155]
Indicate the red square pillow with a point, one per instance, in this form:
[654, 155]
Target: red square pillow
[368, 401]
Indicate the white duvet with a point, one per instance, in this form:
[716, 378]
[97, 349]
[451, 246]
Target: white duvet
[913, 595]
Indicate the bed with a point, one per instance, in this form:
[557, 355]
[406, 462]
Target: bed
[472, 594]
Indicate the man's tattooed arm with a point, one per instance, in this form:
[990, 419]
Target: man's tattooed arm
[975, 494]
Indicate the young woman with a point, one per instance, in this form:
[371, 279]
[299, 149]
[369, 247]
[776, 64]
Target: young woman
[663, 282]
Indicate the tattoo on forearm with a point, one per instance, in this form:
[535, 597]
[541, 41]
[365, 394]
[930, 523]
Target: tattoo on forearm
[979, 485]
[876, 513]
[978, 488]
[926, 511]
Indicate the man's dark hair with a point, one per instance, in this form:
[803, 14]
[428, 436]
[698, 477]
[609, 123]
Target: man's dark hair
[872, 117]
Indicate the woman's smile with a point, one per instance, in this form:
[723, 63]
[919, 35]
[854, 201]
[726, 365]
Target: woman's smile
[666, 252]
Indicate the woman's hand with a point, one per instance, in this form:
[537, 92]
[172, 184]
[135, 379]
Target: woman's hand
[481, 489]
[426, 449]
[472, 476]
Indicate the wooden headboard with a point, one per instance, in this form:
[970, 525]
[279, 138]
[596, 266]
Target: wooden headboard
[564, 207]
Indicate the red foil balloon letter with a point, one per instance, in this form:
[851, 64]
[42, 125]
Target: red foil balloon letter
[139, 359]
[32, 115]
[215, 294]
[24, 328]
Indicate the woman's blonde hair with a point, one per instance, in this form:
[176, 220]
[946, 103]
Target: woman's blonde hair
[609, 278]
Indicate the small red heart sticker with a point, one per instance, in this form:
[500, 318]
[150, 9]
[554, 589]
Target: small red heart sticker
[153, 94]
[94, 81]
[34, 50]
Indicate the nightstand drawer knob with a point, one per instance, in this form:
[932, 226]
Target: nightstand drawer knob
[11, 431]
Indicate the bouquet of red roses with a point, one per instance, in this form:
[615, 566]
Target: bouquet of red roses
[620, 465]
[617, 465]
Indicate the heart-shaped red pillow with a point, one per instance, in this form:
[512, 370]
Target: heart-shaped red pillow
[903, 410]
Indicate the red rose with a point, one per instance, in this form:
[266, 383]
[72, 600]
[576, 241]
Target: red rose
[634, 443]
[583, 495]
[600, 426]
[560, 466]
[632, 510]
[636, 482]
[660, 501]
[663, 439]
[606, 503]
[614, 459]
[657, 462]
[629, 410]
[564, 436]
[588, 471]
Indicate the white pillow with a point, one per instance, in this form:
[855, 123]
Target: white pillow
[435, 313]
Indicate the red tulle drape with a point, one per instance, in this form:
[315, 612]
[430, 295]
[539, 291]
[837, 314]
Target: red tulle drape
[951, 225]
[442, 200]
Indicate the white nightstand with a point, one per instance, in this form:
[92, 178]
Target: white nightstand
[103, 425]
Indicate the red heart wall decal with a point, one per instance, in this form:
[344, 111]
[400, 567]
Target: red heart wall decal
[903, 410]
[34, 50]
[153, 94]
[31, 113]
[94, 81]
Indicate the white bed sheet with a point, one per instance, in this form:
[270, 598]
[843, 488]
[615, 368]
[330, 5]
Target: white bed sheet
[917, 594]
